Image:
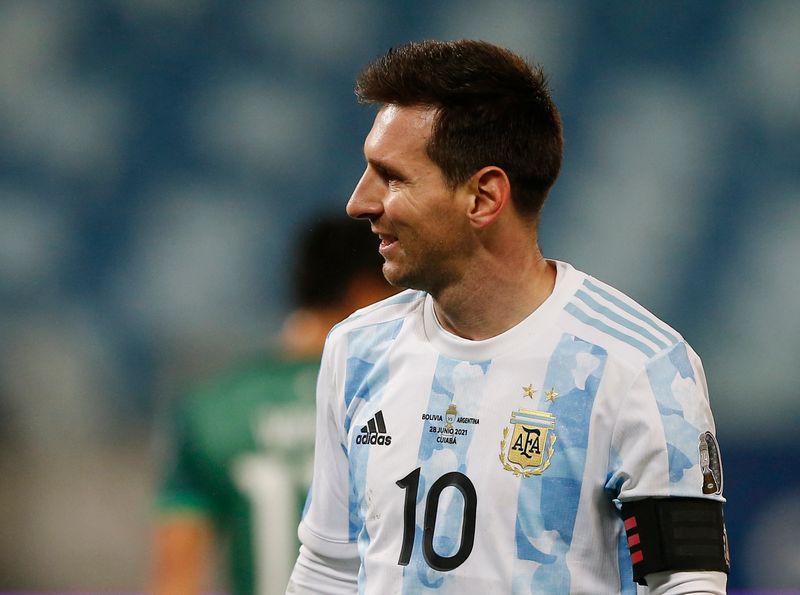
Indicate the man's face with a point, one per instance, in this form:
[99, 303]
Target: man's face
[421, 221]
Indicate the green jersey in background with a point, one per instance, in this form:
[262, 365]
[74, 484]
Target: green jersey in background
[241, 455]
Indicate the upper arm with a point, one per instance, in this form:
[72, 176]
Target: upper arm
[327, 526]
[665, 478]
[663, 420]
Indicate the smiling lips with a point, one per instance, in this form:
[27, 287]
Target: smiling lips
[387, 242]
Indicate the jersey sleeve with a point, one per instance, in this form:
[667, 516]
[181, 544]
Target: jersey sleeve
[686, 583]
[663, 442]
[182, 483]
[326, 527]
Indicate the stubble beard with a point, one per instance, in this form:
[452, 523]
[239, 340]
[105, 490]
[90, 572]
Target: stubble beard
[396, 278]
[421, 277]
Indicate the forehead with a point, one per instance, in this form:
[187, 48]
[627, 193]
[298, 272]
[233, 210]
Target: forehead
[399, 129]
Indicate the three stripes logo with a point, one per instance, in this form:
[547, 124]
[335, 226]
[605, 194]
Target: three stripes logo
[374, 432]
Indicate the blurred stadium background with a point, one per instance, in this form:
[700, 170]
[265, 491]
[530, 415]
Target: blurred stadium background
[158, 156]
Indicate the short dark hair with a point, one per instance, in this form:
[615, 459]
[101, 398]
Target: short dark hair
[493, 108]
[333, 251]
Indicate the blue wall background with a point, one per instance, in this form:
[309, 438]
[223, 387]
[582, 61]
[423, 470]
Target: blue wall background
[158, 159]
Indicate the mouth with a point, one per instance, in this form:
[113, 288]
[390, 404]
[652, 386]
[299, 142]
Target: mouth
[387, 242]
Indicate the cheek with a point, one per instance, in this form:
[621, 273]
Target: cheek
[406, 218]
[395, 208]
[429, 218]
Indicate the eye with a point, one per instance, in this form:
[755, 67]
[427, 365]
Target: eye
[390, 177]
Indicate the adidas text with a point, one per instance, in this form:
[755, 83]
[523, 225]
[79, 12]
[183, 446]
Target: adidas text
[380, 439]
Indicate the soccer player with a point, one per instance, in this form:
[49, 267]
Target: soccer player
[240, 450]
[508, 424]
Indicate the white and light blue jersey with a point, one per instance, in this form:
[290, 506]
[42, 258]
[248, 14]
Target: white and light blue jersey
[498, 466]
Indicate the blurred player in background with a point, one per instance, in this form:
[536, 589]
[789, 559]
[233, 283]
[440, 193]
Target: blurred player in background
[240, 447]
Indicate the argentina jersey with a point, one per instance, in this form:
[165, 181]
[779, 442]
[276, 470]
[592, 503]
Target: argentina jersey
[499, 466]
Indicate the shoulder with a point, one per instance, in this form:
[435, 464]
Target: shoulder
[604, 316]
[395, 309]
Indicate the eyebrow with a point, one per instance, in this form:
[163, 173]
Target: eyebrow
[385, 171]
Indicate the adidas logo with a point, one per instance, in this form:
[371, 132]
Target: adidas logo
[374, 432]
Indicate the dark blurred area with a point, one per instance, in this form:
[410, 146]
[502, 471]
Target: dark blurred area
[158, 157]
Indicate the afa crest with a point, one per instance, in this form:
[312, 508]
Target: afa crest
[531, 445]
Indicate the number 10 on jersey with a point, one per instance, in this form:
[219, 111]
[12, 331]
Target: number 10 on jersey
[454, 479]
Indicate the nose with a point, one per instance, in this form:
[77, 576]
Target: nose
[366, 201]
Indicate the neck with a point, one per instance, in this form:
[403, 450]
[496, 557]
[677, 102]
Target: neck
[496, 295]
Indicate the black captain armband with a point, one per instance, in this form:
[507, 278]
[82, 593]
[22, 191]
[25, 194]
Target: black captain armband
[675, 534]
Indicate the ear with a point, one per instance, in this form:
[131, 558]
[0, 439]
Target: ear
[490, 191]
